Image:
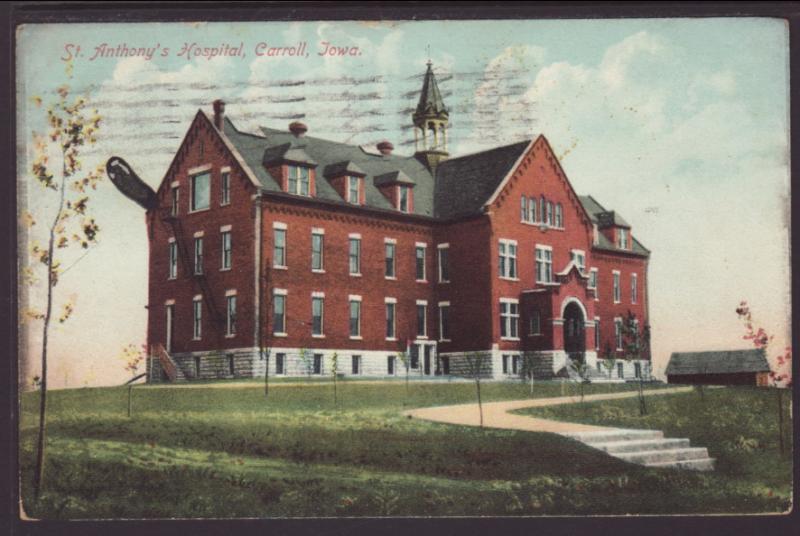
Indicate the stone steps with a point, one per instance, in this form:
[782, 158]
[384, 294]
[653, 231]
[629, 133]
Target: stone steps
[648, 447]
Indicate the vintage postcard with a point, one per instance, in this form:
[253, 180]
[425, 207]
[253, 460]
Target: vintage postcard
[404, 268]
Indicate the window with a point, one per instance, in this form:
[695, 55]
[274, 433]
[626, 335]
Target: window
[317, 363]
[317, 315]
[623, 238]
[637, 370]
[198, 255]
[279, 313]
[403, 197]
[173, 259]
[422, 319]
[514, 364]
[317, 246]
[532, 210]
[508, 259]
[420, 262]
[230, 322]
[200, 191]
[355, 317]
[617, 296]
[550, 213]
[620, 370]
[174, 202]
[523, 208]
[544, 264]
[634, 288]
[356, 364]
[226, 250]
[618, 332]
[597, 333]
[197, 366]
[559, 216]
[509, 318]
[298, 180]
[390, 361]
[225, 180]
[444, 321]
[390, 262]
[353, 190]
[279, 246]
[579, 257]
[414, 351]
[535, 323]
[506, 357]
[444, 271]
[355, 256]
[391, 306]
[197, 305]
[543, 210]
[280, 363]
[593, 279]
[231, 365]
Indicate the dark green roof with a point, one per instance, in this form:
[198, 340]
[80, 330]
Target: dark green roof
[393, 177]
[466, 183]
[430, 99]
[594, 209]
[717, 362]
[343, 168]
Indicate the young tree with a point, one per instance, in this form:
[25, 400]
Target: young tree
[334, 373]
[609, 361]
[133, 357]
[58, 168]
[527, 371]
[636, 347]
[305, 359]
[581, 370]
[477, 365]
[780, 373]
[403, 355]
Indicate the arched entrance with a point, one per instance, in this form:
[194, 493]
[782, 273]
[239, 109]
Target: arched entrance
[574, 332]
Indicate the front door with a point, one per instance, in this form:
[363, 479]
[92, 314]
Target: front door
[574, 332]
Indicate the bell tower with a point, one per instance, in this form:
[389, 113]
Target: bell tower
[431, 119]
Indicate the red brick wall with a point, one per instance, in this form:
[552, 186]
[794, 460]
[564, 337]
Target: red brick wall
[238, 214]
[301, 216]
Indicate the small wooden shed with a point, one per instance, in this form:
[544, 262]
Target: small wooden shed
[725, 367]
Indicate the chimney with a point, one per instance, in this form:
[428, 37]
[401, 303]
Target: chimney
[219, 115]
[385, 148]
[298, 129]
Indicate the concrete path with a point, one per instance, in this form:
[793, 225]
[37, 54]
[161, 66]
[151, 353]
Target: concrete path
[496, 414]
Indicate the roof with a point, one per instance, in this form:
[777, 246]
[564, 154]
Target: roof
[717, 362]
[430, 99]
[594, 209]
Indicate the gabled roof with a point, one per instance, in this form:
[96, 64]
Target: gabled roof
[717, 362]
[593, 208]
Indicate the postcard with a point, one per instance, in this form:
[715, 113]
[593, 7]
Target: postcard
[421, 268]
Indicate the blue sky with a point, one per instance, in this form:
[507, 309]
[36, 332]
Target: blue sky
[679, 124]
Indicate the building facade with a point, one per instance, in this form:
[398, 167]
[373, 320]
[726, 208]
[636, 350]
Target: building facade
[280, 249]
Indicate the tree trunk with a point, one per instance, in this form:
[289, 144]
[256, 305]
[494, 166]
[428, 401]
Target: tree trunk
[642, 403]
[480, 404]
[130, 402]
[266, 375]
[780, 420]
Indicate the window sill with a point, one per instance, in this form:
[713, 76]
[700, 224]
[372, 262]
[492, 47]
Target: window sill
[548, 283]
[422, 337]
[280, 267]
[445, 340]
[534, 334]
[280, 334]
[356, 338]
[199, 210]
[225, 204]
[392, 339]
[509, 339]
[388, 278]
[444, 282]
[172, 279]
[504, 278]
[228, 269]
[197, 338]
[313, 271]
[317, 336]
[421, 280]
[355, 275]
[230, 336]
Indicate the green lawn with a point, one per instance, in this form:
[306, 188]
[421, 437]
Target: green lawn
[228, 452]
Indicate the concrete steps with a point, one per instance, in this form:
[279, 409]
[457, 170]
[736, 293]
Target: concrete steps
[649, 448]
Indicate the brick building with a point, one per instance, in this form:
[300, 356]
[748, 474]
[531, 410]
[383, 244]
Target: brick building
[303, 246]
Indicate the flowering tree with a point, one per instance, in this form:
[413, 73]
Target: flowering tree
[781, 374]
[58, 169]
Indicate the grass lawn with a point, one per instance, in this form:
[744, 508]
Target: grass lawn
[211, 452]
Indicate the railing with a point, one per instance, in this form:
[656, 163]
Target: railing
[167, 365]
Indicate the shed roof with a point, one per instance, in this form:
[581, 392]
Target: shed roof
[717, 362]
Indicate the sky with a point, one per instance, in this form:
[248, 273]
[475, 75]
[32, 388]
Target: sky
[681, 125]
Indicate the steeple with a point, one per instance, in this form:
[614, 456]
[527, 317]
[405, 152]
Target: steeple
[431, 120]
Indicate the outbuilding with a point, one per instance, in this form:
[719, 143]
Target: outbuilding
[724, 367]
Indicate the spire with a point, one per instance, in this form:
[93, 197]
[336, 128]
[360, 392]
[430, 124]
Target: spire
[431, 120]
[430, 103]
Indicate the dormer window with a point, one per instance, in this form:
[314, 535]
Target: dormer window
[622, 238]
[354, 190]
[298, 180]
[403, 194]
